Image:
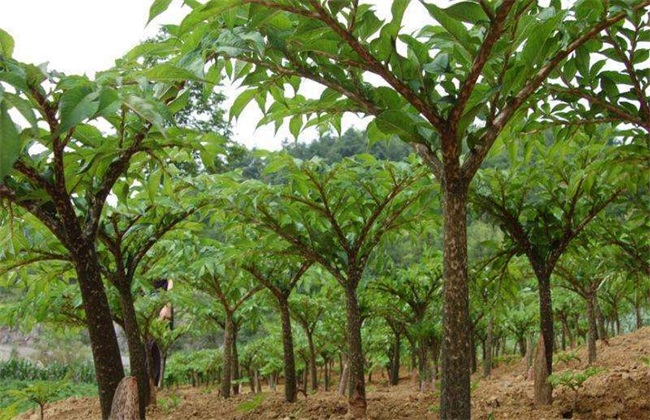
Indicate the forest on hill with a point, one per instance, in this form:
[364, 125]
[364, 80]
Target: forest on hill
[494, 211]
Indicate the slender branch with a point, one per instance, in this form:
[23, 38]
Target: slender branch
[494, 34]
[477, 155]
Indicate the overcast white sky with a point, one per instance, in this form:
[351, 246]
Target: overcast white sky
[84, 36]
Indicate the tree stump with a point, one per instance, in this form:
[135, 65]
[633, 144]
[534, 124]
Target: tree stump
[125, 402]
[543, 390]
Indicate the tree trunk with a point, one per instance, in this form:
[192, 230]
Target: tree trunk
[394, 367]
[593, 329]
[455, 351]
[137, 356]
[103, 341]
[423, 365]
[637, 312]
[473, 356]
[487, 362]
[357, 390]
[326, 373]
[312, 362]
[344, 379]
[602, 328]
[290, 388]
[543, 390]
[226, 379]
[617, 321]
[235, 362]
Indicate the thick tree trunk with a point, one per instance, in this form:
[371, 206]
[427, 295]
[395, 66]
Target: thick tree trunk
[290, 388]
[312, 361]
[357, 389]
[137, 356]
[395, 365]
[593, 331]
[455, 351]
[226, 378]
[487, 362]
[103, 341]
[543, 390]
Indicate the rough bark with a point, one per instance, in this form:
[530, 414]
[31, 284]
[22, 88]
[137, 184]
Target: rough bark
[543, 390]
[290, 388]
[357, 391]
[125, 404]
[345, 373]
[226, 379]
[103, 341]
[455, 351]
[137, 356]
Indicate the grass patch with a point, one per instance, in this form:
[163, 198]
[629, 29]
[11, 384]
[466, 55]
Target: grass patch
[252, 403]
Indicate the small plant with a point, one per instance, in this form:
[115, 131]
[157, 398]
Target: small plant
[645, 360]
[252, 403]
[566, 357]
[40, 393]
[574, 380]
[169, 404]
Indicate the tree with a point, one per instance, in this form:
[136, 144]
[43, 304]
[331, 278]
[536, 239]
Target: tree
[226, 285]
[335, 217]
[130, 229]
[279, 274]
[583, 274]
[566, 183]
[451, 95]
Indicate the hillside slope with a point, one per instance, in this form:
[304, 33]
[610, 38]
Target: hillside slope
[621, 390]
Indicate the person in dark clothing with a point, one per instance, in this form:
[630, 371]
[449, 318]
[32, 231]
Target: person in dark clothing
[166, 313]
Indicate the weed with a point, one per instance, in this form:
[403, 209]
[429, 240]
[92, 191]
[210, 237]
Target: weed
[252, 403]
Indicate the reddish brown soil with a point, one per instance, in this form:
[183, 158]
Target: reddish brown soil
[622, 391]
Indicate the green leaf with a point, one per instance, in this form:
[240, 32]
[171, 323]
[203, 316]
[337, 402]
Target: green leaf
[77, 105]
[453, 26]
[399, 123]
[241, 102]
[158, 7]
[208, 11]
[467, 11]
[169, 73]
[6, 44]
[146, 110]
[9, 142]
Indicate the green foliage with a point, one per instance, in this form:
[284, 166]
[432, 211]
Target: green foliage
[169, 403]
[15, 395]
[193, 367]
[24, 370]
[252, 403]
[566, 357]
[573, 379]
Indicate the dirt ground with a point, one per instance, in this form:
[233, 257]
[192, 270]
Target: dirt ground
[621, 390]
